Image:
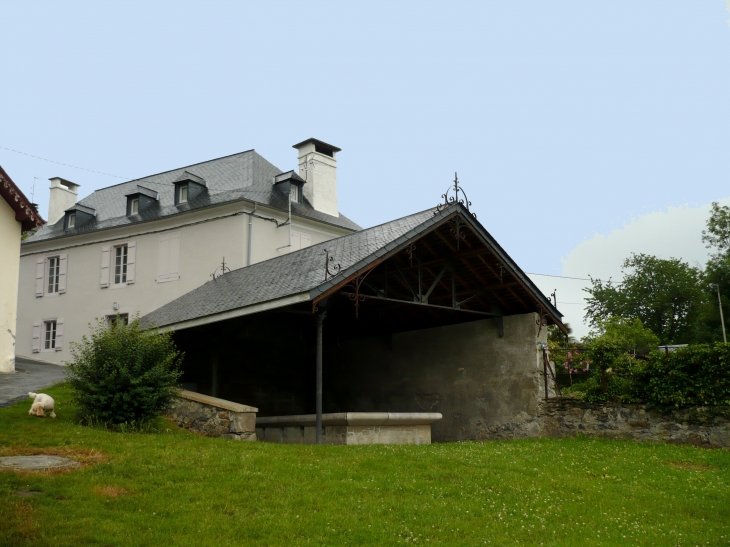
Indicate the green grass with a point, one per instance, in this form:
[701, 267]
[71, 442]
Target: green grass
[171, 487]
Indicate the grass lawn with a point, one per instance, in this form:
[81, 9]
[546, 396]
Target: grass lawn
[175, 488]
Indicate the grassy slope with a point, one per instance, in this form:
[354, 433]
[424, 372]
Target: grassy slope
[176, 488]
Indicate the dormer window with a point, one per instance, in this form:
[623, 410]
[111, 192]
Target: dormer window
[77, 216]
[140, 199]
[188, 186]
[290, 183]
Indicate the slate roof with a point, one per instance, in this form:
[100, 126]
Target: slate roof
[303, 270]
[243, 176]
[282, 276]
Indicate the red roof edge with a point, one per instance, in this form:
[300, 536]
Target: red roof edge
[25, 213]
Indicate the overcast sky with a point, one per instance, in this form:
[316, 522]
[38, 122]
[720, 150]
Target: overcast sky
[575, 127]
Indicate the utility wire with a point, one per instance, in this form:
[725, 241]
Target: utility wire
[65, 164]
[560, 276]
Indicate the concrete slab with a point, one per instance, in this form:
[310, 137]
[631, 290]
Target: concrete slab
[36, 463]
[29, 376]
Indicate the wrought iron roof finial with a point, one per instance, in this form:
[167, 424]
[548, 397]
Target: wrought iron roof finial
[452, 199]
[223, 268]
[335, 267]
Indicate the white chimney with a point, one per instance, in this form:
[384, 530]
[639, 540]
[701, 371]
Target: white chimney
[63, 195]
[318, 166]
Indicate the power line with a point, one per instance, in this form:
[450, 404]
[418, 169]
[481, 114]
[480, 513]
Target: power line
[65, 164]
[560, 276]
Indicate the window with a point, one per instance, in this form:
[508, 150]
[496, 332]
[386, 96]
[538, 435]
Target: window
[49, 334]
[118, 265]
[50, 275]
[121, 255]
[295, 193]
[134, 206]
[53, 274]
[117, 319]
[182, 195]
[71, 220]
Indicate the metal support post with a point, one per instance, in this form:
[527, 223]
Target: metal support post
[320, 320]
[722, 318]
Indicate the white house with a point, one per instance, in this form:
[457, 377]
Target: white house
[130, 248]
[17, 214]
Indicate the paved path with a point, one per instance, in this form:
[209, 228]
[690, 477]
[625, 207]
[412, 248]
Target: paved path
[29, 376]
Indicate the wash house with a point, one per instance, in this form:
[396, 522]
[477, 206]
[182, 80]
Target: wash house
[424, 318]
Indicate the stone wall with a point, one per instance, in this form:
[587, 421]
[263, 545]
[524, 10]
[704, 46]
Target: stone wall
[696, 426]
[214, 417]
[476, 379]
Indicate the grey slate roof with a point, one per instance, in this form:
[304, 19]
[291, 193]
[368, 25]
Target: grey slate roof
[243, 176]
[282, 276]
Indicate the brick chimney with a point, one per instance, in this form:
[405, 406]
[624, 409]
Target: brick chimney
[63, 195]
[318, 166]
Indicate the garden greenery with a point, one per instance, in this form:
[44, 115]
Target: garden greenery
[123, 374]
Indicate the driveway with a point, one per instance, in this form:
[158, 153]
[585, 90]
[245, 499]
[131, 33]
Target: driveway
[29, 376]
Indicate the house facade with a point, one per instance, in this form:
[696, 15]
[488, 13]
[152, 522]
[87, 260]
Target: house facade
[131, 248]
[17, 214]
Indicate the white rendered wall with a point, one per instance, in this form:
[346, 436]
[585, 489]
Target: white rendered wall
[10, 230]
[205, 238]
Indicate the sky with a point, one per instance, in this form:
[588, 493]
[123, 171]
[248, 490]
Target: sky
[580, 131]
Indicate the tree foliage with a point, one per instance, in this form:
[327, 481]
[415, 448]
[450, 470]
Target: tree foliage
[629, 334]
[666, 295]
[717, 234]
[123, 374]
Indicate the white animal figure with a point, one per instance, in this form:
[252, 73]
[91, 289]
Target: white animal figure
[41, 404]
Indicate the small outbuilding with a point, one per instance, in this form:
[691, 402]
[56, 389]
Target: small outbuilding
[425, 314]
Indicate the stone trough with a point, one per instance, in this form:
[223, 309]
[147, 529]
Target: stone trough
[349, 428]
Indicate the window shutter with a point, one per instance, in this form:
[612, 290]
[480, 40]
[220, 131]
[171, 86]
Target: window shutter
[105, 258]
[62, 265]
[174, 256]
[36, 345]
[163, 258]
[40, 270]
[131, 253]
[59, 334]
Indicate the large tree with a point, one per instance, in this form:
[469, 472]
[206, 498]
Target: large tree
[717, 273]
[666, 295]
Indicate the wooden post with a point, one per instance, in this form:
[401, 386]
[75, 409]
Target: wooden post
[320, 320]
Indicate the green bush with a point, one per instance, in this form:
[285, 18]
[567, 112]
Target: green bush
[123, 374]
[693, 376]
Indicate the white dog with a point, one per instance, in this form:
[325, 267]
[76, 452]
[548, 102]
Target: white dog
[41, 403]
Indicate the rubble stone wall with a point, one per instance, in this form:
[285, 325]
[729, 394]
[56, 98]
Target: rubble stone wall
[214, 417]
[696, 426]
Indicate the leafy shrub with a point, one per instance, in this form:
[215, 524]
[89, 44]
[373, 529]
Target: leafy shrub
[695, 375]
[123, 374]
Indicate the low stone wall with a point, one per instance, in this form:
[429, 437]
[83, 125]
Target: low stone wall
[214, 417]
[695, 426]
[350, 428]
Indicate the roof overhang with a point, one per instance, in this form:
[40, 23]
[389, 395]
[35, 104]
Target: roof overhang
[25, 211]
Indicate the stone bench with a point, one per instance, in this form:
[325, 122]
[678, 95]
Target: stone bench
[349, 428]
[214, 417]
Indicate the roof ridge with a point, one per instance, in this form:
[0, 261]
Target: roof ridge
[178, 168]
